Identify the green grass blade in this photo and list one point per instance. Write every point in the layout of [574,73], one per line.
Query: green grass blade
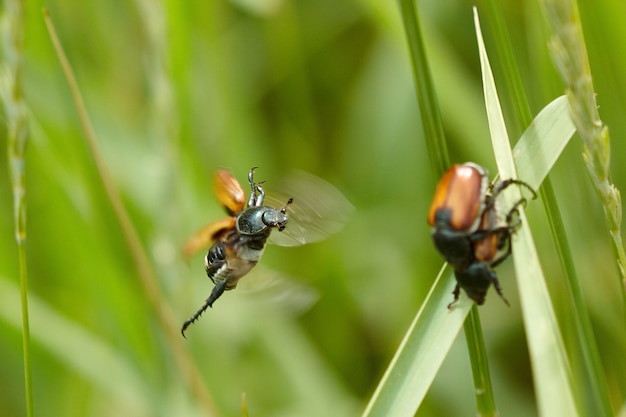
[421,353]
[508,63]
[551,372]
[483,388]
[426,96]
[543,141]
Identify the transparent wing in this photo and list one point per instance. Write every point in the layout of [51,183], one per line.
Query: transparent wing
[318,209]
[273,289]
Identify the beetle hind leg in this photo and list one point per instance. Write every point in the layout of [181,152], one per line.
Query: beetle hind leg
[218,290]
[496,285]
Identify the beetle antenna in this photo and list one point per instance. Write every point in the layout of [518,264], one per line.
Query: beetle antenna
[284,209]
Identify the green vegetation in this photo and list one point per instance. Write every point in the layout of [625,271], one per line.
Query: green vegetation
[175,90]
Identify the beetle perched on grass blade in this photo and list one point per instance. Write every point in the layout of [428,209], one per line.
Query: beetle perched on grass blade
[467,228]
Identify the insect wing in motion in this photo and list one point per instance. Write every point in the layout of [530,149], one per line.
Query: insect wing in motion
[203,238]
[228,192]
[232,197]
[318,209]
[268,288]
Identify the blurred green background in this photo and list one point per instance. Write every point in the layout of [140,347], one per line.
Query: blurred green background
[178,89]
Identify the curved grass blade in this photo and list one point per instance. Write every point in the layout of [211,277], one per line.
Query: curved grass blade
[551,372]
[421,353]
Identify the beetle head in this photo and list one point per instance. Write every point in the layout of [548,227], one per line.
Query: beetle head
[277,218]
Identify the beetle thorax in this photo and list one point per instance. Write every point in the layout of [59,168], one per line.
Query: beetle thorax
[259,220]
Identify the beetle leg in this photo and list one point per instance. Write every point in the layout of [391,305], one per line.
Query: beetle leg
[214,261]
[505,255]
[501,186]
[512,217]
[482,234]
[515,212]
[261,196]
[504,233]
[512,221]
[456,292]
[215,294]
[496,284]
[257,194]
[253,188]
[251,177]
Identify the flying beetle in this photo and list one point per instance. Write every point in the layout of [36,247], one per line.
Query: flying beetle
[238,241]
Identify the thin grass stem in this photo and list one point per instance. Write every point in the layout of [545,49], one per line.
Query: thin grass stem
[485,403]
[426,95]
[569,53]
[144,268]
[18,133]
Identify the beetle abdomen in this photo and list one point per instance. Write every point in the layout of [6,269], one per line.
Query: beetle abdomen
[233,258]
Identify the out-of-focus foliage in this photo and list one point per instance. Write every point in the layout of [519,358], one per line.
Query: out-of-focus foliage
[178,89]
